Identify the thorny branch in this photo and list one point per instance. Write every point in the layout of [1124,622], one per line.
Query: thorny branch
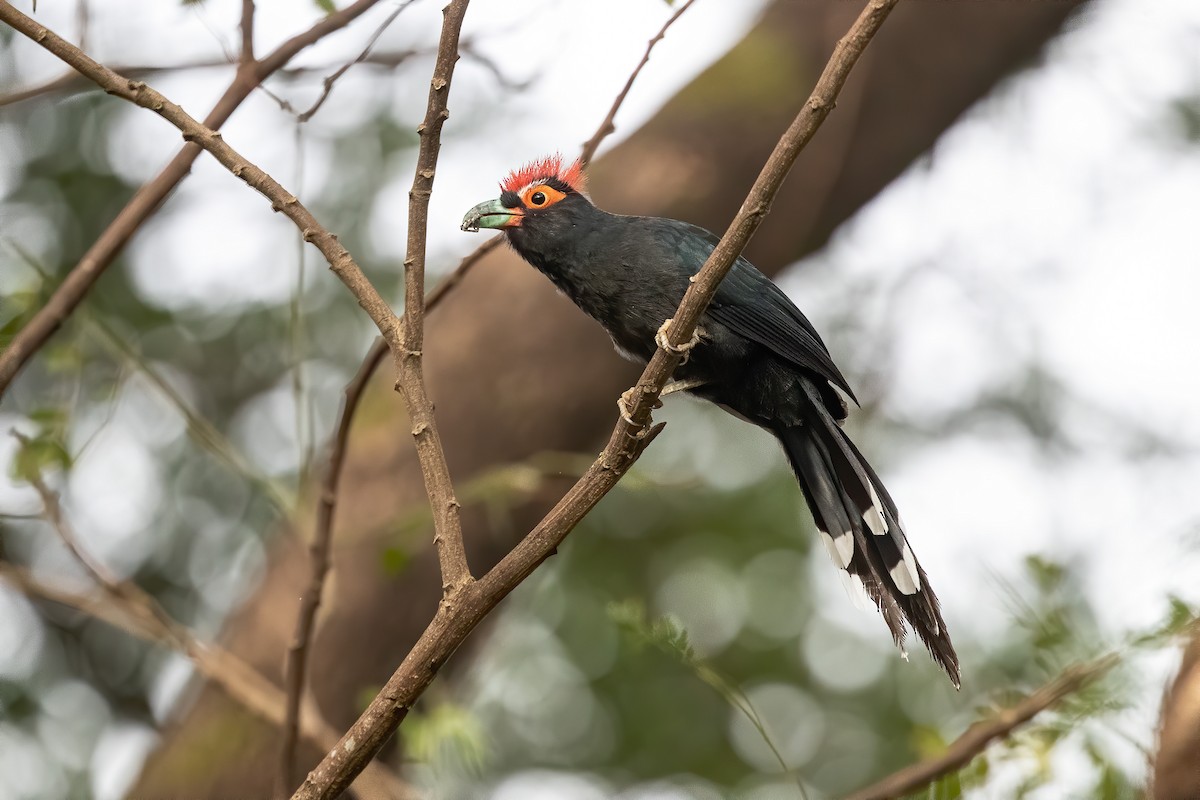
[466,607]
[128,607]
[70,293]
[976,738]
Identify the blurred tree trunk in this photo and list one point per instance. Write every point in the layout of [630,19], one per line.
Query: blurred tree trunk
[505,329]
[1177,764]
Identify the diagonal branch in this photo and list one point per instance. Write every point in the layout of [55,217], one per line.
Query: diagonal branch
[976,738]
[455,620]
[70,293]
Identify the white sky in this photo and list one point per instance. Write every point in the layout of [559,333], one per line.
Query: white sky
[1058,220]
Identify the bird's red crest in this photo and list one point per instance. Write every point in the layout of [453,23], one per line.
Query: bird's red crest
[551,166]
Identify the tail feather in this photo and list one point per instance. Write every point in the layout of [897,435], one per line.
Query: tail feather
[860,527]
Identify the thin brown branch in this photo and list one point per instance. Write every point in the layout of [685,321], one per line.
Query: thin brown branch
[70,293]
[467,607]
[976,738]
[410,382]
[607,126]
[310,603]
[246,27]
[319,548]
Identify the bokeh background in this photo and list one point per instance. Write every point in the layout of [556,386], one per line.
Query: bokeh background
[996,231]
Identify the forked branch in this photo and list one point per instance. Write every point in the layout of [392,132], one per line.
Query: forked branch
[455,619]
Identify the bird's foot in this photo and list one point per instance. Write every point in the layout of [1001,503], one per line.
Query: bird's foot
[682,350]
[625,407]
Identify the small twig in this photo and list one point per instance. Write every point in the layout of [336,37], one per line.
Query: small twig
[331,79]
[70,293]
[246,55]
[52,510]
[454,620]
[976,738]
[410,381]
[606,126]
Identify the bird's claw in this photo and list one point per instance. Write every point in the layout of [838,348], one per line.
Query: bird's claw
[682,350]
[624,404]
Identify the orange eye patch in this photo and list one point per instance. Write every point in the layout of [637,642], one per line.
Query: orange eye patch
[540,195]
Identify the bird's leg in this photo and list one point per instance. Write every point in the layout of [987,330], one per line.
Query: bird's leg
[684,349]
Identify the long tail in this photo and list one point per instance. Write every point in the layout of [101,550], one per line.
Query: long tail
[860,528]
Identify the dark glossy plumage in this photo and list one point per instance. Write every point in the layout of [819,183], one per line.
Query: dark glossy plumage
[759,357]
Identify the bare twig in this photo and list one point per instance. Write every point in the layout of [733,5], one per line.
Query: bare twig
[332,78]
[976,738]
[606,126]
[246,55]
[146,201]
[455,619]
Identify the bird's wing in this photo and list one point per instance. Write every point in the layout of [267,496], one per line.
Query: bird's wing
[749,304]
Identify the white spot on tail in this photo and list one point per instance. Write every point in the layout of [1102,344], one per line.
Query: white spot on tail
[841,549]
[905,573]
[857,591]
[873,516]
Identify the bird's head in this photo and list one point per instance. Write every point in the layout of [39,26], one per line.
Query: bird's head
[538,190]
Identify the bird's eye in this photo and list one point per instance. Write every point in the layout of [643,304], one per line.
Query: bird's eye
[538,198]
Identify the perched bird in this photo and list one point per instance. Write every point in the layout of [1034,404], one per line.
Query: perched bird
[756,356]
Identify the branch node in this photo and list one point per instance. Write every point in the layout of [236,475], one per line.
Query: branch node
[439,83]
